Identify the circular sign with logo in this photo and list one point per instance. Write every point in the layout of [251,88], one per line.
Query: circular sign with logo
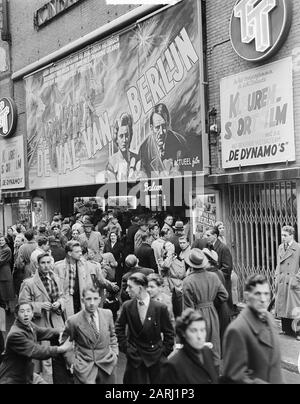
[259,28]
[8,117]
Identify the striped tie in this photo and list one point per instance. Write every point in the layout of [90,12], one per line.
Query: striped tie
[93,324]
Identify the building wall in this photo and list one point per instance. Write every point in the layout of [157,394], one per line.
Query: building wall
[30,44]
[223,61]
[4,61]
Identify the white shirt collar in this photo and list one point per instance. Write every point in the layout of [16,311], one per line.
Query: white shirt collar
[146,300]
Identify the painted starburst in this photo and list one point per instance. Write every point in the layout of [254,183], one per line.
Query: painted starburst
[145,37]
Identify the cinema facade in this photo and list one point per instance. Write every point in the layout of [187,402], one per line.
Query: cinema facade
[74,101]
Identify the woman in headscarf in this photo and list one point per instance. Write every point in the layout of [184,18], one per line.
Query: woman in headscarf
[193,363]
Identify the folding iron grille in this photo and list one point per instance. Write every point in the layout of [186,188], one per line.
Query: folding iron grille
[256,215]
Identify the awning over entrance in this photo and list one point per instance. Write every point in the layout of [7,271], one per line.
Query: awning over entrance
[24,193]
[255,176]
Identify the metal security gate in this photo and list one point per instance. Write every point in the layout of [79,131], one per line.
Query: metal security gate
[257,214]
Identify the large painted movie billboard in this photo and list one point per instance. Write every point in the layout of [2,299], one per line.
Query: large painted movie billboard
[123,109]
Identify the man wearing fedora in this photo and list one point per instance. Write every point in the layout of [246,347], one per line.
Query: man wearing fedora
[178,232]
[143,228]
[92,239]
[200,289]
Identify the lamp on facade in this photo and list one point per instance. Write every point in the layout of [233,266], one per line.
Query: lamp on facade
[214,131]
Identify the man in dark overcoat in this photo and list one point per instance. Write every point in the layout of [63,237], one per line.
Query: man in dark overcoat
[251,345]
[225,262]
[145,254]
[131,232]
[150,334]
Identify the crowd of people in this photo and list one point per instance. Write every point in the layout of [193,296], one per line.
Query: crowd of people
[86,291]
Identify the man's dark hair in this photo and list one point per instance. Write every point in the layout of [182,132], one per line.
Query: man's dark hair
[135,219]
[39,257]
[156,278]
[185,320]
[19,228]
[144,237]
[18,306]
[163,233]
[42,241]
[85,249]
[162,110]
[90,289]
[139,279]
[253,280]
[70,245]
[214,230]
[153,225]
[29,235]
[289,229]
[42,229]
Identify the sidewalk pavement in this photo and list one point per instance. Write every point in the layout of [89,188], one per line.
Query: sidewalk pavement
[290,351]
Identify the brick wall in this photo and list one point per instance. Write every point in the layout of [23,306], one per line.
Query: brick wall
[223,61]
[30,45]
